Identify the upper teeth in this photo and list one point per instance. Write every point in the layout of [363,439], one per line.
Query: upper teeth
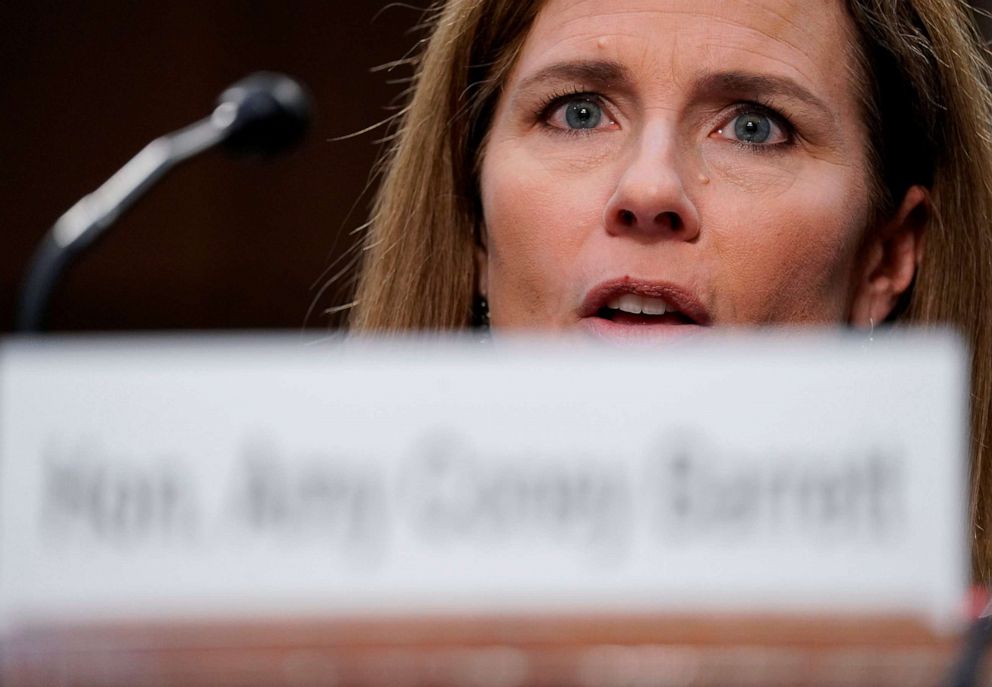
[636,305]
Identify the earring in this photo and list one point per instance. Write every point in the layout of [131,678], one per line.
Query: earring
[480,313]
[866,344]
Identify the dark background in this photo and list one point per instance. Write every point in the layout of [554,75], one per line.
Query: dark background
[220,243]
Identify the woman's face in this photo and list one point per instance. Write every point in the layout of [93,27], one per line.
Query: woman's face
[704,159]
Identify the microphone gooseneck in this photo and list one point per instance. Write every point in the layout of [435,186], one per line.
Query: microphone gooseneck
[263,114]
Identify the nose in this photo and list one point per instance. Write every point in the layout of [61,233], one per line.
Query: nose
[650,200]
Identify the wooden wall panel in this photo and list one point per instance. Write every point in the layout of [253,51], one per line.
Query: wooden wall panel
[220,243]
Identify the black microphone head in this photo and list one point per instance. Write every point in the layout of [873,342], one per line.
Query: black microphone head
[264,113]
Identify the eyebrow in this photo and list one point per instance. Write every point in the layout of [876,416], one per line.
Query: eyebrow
[746,84]
[598,73]
[592,72]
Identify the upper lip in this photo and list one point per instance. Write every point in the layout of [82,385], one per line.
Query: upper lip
[678,297]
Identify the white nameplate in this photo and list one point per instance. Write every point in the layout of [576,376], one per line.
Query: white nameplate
[257,477]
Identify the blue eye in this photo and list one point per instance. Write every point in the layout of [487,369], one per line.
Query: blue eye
[754,127]
[583,114]
[576,113]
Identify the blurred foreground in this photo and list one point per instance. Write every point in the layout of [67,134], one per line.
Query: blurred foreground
[766,510]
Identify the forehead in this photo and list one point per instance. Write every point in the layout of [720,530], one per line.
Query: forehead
[810,41]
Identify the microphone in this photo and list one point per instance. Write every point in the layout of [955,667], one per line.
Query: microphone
[263,114]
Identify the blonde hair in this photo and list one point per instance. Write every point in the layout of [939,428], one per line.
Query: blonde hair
[926,102]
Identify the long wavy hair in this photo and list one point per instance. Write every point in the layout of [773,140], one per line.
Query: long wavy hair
[924,87]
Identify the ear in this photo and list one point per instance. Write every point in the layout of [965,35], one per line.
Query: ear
[890,259]
[481,272]
[481,265]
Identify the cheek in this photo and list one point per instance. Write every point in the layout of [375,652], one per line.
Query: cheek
[793,257]
[536,221]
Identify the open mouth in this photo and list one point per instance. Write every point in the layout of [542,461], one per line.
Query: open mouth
[630,308]
[641,311]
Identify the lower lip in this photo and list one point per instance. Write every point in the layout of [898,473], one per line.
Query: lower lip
[665,329]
